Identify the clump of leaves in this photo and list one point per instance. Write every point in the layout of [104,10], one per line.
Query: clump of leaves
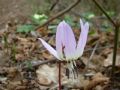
[26,28]
[88,15]
[69,20]
[29,65]
[39,18]
[110,13]
[105,26]
[92,32]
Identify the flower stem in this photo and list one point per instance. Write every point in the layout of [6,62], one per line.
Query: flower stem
[59,75]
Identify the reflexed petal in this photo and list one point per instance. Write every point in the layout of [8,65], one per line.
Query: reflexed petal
[82,38]
[49,48]
[65,40]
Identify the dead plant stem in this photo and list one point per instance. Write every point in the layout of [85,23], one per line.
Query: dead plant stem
[115,49]
[116,25]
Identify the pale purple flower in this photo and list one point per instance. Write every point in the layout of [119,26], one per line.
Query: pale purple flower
[66,47]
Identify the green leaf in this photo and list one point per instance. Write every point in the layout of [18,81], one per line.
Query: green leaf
[25,28]
[52,28]
[92,32]
[39,18]
[29,65]
[69,20]
[110,13]
[88,15]
[105,26]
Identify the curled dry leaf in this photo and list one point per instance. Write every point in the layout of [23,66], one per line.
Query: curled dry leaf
[98,79]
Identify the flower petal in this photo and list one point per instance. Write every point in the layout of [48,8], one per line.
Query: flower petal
[65,40]
[49,48]
[82,39]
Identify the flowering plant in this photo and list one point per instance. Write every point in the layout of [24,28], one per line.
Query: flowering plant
[66,47]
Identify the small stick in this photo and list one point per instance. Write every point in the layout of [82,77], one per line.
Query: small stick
[93,52]
[39,62]
[54,4]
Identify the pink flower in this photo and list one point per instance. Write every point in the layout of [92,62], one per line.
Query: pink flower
[66,47]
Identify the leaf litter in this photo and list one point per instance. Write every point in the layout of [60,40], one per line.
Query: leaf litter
[27,48]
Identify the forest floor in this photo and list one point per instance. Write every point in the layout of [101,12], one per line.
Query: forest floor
[26,65]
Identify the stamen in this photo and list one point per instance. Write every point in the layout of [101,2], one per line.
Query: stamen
[71,64]
[74,71]
[75,68]
[71,70]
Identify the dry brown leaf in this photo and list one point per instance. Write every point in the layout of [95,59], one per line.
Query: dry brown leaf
[13,85]
[52,41]
[108,61]
[20,57]
[98,79]
[47,55]
[47,75]
[12,72]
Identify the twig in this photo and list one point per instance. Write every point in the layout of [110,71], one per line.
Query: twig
[39,62]
[109,18]
[59,14]
[99,48]
[93,52]
[54,4]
